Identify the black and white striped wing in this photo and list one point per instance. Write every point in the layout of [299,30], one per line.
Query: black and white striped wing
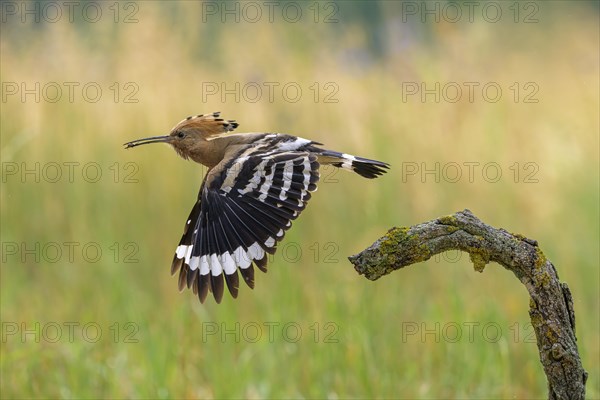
[244,208]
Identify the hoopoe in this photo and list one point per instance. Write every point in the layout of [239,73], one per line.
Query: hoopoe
[256,185]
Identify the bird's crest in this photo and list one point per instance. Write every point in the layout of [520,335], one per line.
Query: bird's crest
[209,124]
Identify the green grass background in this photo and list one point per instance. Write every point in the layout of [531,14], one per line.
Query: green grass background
[169,53]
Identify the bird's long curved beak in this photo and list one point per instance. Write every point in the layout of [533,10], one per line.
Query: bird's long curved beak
[154,139]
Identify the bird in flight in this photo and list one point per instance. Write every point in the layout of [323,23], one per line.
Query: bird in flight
[256,185]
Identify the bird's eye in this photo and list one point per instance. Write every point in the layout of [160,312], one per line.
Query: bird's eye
[180,135]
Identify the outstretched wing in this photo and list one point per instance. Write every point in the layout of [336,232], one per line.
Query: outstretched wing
[244,207]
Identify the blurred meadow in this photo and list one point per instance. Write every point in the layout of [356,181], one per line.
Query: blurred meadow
[497,113]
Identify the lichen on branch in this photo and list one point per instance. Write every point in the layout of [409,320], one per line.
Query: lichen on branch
[551,305]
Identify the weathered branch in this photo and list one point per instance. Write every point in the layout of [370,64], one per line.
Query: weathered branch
[550,308]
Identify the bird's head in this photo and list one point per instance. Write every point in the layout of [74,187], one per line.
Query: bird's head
[186,135]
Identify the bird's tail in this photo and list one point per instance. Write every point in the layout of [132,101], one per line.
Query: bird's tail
[363,166]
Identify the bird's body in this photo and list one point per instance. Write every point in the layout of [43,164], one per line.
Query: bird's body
[256,184]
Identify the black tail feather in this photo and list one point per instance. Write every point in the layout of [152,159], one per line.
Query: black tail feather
[369,168]
[363,166]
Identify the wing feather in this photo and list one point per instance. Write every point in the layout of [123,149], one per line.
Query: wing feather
[239,218]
